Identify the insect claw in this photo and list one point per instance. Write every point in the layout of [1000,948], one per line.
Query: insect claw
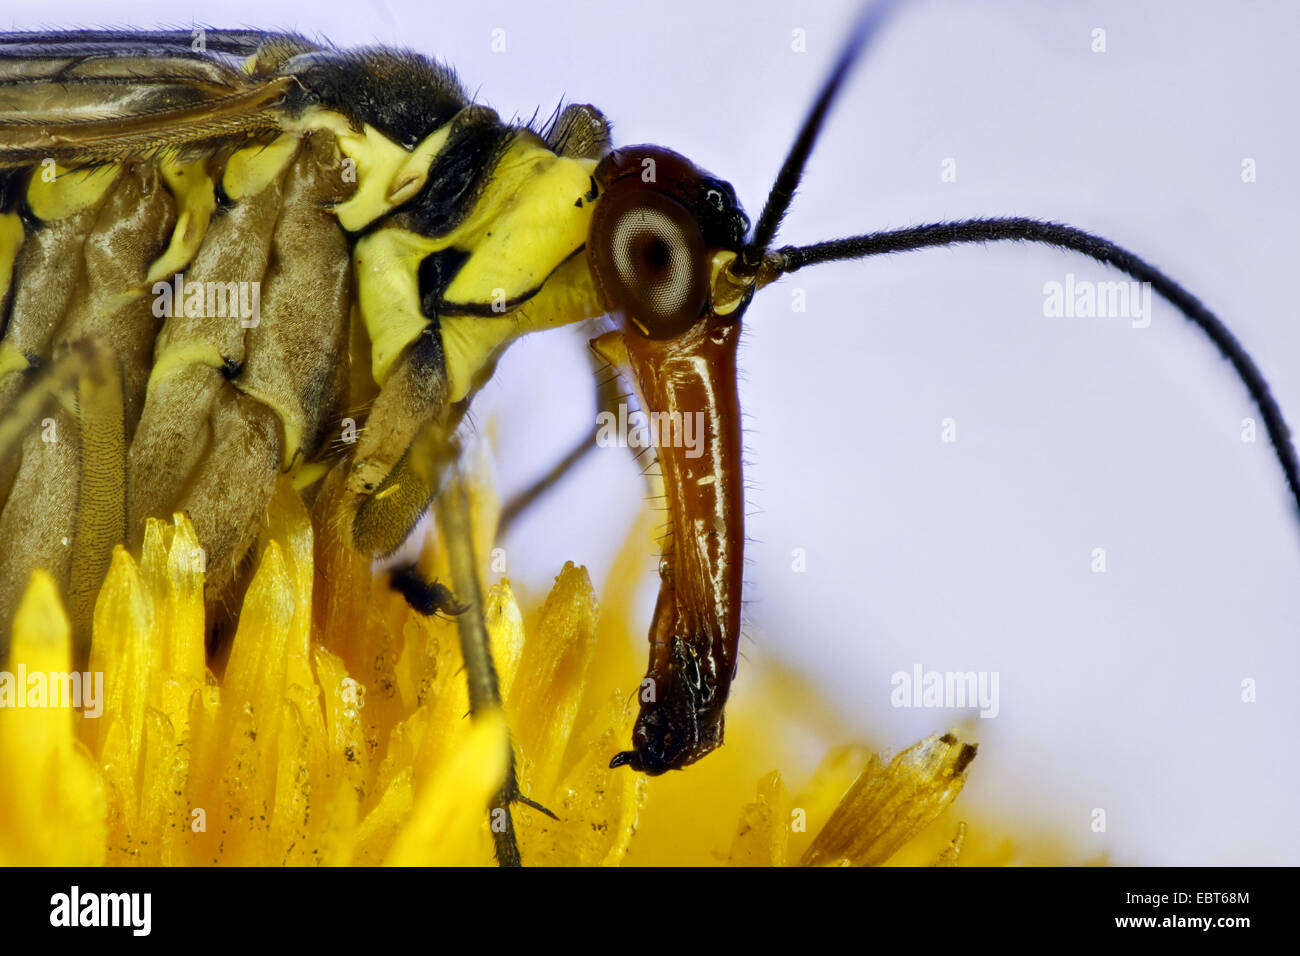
[622,759]
[430,598]
[529,802]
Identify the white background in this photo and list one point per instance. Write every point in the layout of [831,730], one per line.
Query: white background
[1118,690]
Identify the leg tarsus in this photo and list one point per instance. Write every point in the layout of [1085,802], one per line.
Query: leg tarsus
[609,393]
[430,598]
[504,842]
[529,802]
[520,503]
[484,692]
[434,599]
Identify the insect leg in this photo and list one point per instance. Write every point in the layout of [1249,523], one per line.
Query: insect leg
[484,692]
[427,470]
[430,598]
[609,392]
[230,488]
[66,435]
[58,378]
[37,447]
[520,503]
[101,514]
[73,365]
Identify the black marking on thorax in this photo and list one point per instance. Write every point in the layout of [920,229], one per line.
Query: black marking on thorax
[403,95]
[459,172]
[437,270]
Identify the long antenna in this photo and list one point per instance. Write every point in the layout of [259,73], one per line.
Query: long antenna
[787,180]
[790,258]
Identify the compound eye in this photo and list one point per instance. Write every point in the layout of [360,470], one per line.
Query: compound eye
[652,262]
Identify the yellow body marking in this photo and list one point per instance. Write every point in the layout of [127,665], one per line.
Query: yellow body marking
[252,169]
[386,264]
[471,342]
[11,240]
[11,359]
[387,175]
[196,199]
[522,235]
[62,193]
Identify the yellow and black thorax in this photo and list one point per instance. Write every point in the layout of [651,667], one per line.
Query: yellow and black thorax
[262,237]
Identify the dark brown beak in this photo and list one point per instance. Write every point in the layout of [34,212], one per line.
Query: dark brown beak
[689,383]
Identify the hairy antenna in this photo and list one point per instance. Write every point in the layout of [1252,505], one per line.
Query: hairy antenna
[792,258]
[787,180]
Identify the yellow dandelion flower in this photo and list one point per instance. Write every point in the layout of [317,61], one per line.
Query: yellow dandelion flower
[338,731]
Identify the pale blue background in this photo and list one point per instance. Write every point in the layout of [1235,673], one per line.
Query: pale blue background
[1119,690]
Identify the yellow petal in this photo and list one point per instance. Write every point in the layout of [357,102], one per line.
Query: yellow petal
[548,688]
[447,824]
[764,833]
[52,804]
[597,806]
[890,803]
